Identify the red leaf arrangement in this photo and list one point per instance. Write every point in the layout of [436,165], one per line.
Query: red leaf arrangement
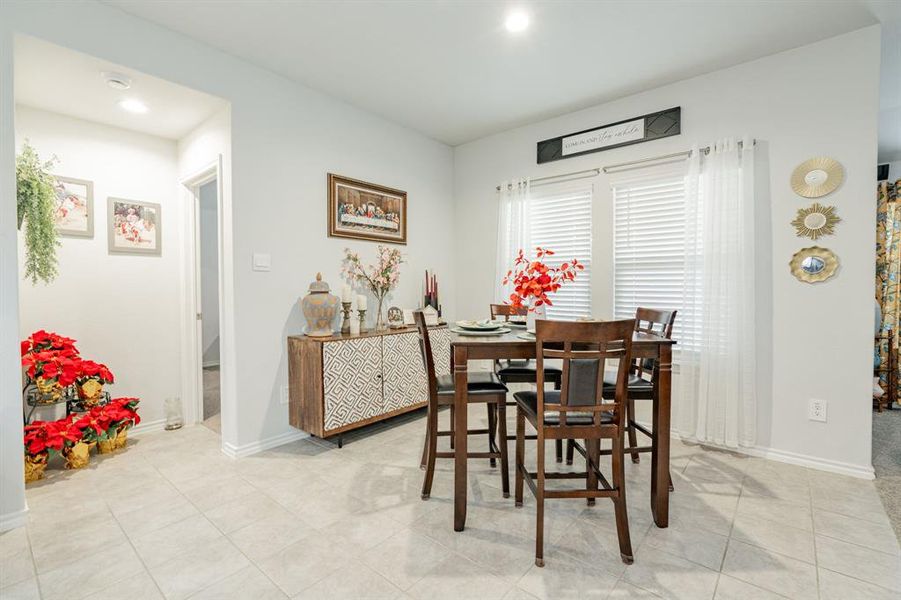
[533,280]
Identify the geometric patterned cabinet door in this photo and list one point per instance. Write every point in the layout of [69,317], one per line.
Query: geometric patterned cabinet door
[404,375]
[352,380]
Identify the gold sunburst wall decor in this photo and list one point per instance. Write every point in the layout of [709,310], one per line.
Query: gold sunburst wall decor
[817,177]
[815,220]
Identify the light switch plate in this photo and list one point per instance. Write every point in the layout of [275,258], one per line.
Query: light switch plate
[262,262]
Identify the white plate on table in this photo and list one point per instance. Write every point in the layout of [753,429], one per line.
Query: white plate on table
[480,333]
[485,325]
[515,324]
[525,335]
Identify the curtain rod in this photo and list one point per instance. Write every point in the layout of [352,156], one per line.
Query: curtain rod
[597,171]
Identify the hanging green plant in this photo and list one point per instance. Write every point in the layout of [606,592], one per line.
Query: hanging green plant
[35,208]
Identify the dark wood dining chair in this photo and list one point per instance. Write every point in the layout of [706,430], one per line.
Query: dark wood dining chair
[643,375]
[578,411]
[483,387]
[523,371]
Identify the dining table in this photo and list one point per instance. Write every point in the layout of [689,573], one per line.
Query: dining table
[515,345]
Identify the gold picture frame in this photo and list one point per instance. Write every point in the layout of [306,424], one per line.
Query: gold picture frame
[814,264]
[815,220]
[366,211]
[817,177]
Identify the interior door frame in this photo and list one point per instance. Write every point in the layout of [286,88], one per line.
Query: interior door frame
[192,324]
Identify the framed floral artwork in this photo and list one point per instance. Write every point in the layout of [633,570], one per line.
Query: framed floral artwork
[74,207]
[134,227]
[366,211]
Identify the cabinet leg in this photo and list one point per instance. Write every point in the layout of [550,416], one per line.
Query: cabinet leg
[340,441]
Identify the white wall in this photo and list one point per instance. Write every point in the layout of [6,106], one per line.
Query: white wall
[284,139]
[815,340]
[894,170]
[124,310]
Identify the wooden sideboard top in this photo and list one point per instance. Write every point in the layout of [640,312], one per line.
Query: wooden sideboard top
[346,336]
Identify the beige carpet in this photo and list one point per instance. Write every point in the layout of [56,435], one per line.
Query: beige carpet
[211,401]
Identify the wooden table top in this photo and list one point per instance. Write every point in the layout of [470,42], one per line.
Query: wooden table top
[512,339]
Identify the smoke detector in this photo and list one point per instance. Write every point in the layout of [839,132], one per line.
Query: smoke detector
[117,81]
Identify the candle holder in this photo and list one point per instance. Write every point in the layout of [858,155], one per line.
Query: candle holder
[345,325]
[362,313]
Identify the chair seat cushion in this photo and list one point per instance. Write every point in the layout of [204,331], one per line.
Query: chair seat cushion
[635,382]
[528,401]
[480,382]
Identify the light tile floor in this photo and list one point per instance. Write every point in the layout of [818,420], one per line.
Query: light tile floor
[171,517]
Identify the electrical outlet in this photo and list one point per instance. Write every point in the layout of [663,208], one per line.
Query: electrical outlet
[816,410]
[285,396]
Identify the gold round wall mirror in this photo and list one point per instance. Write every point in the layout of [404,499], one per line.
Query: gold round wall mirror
[815,220]
[814,264]
[817,177]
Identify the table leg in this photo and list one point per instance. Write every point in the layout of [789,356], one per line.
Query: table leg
[661,442]
[460,362]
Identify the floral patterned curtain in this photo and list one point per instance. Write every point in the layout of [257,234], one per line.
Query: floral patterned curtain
[888,266]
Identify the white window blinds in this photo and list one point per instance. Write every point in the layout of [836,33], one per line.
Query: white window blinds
[561,221]
[649,243]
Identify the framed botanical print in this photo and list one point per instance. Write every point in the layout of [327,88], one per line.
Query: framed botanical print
[366,211]
[74,207]
[134,227]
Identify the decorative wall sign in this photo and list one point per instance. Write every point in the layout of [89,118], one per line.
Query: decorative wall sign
[613,135]
[134,227]
[74,214]
[817,177]
[366,211]
[814,264]
[815,220]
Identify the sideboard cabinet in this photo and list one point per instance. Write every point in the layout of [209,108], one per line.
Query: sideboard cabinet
[343,382]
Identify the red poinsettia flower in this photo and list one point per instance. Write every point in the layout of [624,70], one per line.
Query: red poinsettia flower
[88,369]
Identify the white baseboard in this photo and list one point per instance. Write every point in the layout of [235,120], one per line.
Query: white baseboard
[148,427]
[793,458]
[813,462]
[13,520]
[233,451]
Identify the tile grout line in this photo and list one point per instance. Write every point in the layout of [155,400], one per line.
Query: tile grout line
[34,562]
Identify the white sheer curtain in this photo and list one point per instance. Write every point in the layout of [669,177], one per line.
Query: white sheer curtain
[715,399]
[513,230]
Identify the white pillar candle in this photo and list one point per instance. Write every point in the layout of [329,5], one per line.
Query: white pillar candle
[361,302]
[354,326]
[346,294]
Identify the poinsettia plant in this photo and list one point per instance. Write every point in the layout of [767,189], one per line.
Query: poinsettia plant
[122,411]
[51,366]
[93,424]
[41,341]
[533,280]
[45,436]
[89,370]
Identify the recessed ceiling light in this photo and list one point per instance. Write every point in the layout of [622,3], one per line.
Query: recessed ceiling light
[117,81]
[133,105]
[516,21]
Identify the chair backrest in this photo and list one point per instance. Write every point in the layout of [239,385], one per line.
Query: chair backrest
[585,347]
[428,359]
[658,322]
[505,311]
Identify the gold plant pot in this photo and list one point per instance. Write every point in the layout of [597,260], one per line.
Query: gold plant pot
[90,392]
[49,391]
[77,456]
[121,437]
[108,445]
[34,466]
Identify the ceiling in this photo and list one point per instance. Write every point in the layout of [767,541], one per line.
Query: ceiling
[450,70]
[60,80]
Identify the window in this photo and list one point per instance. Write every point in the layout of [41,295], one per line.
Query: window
[649,246]
[562,222]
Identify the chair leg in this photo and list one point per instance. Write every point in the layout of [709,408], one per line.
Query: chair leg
[619,502]
[539,501]
[425,442]
[570,451]
[520,456]
[629,418]
[451,428]
[502,437]
[492,430]
[671,488]
[433,449]
[559,448]
[593,450]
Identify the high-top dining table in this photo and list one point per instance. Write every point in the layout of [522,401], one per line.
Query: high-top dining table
[512,346]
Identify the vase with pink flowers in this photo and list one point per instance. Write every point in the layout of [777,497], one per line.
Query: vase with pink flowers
[380,278]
